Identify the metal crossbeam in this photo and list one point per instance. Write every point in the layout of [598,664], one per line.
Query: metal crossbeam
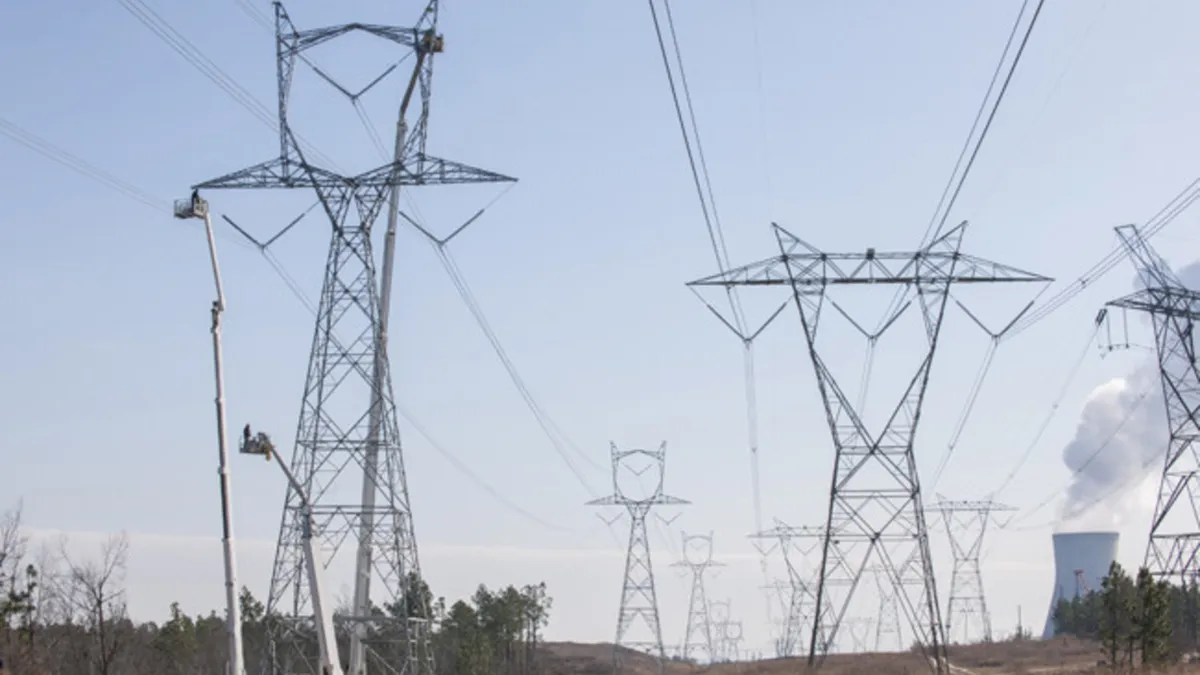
[800,264]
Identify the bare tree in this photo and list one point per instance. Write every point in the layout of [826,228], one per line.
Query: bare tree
[93,595]
[13,545]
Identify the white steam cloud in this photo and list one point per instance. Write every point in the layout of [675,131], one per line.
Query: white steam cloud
[1121,438]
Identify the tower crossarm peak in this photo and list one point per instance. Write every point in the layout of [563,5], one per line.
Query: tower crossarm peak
[1178,303]
[802,264]
[968,505]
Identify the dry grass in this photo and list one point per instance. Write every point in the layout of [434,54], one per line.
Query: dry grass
[1049,657]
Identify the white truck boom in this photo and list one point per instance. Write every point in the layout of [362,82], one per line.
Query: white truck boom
[331,663]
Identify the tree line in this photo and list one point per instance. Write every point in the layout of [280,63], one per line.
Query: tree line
[62,614]
[1138,621]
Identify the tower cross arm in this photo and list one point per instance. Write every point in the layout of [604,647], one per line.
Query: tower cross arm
[621,500]
[306,39]
[291,173]
[427,170]
[690,565]
[1166,301]
[273,173]
[971,506]
[784,531]
[800,264]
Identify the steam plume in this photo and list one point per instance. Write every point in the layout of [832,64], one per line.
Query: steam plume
[1121,438]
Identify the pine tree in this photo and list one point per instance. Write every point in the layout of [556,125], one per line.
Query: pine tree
[1153,619]
[1116,609]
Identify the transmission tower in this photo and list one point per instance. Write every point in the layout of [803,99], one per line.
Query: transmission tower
[889,613]
[699,633]
[781,591]
[638,596]
[347,417]
[1175,530]
[875,503]
[799,594]
[719,612]
[733,635]
[966,523]
[859,628]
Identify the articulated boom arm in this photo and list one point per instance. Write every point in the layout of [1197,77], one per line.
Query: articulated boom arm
[331,663]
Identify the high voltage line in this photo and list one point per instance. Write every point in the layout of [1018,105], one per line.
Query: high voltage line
[73,162]
[161,28]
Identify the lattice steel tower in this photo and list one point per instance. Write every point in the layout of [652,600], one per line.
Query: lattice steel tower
[699,633]
[966,523]
[1175,530]
[639,599]
[889,614]
[721,621]
[875,505]
[347,451]
[799,599]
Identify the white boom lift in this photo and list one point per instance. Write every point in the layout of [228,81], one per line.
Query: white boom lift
[331,664]
[197,208]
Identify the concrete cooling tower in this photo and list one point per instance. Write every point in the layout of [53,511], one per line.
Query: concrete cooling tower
[1081,561]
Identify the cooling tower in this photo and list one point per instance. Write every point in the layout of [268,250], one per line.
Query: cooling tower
[1081,561]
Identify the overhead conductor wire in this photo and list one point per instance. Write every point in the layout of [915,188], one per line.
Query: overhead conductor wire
[49,150]
[1165,216]
[950,197]
[1054,408]
[553,432]
[703,183]
[559,440]
[161,28]
[1137,403]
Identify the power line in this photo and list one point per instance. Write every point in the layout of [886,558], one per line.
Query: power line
[696,163]
[558,439]
[80,166]
[1165,216]
[1091,458]
[946,203]
[73,162]
[548,426]
[965,414]
[991,116]
[1072,54]
[712,221]
[950,191]
[182,46]
[1054,408]
[207,67]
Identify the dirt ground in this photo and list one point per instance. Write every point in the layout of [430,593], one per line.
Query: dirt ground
[1035,657]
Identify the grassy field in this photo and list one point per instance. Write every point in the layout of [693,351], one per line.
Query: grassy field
[1061,655]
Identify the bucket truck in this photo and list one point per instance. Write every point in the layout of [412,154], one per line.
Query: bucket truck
[331,664]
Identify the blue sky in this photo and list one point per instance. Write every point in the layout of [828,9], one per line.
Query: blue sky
[580,267]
